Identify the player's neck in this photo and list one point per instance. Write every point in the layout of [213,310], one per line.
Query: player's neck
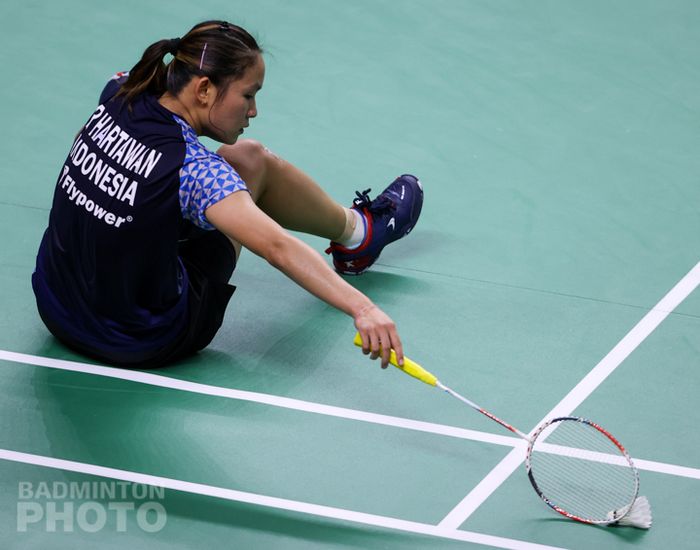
[174,105]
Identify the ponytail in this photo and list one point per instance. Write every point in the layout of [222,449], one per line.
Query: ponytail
[215,49]
[149,74]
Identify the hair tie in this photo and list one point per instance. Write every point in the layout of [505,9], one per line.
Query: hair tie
[173,45]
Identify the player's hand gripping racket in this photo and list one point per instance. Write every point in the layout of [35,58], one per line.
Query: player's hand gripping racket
[576,467]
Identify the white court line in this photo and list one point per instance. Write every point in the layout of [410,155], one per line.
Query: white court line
[663,468]
[576,396]
[272,502]
[306,406]
[255,397]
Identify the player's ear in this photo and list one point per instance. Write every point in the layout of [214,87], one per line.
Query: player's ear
[203,90]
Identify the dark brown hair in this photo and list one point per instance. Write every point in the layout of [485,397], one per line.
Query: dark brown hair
[218,50]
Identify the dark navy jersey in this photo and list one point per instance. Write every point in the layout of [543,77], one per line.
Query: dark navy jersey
[108,272]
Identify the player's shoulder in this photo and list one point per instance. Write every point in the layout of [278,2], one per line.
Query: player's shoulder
[113,84]
[120,76]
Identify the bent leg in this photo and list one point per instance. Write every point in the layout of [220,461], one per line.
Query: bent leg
[285,193]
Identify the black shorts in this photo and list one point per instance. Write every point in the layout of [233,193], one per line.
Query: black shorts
[209,258]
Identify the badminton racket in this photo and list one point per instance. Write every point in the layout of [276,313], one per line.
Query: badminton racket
[576,467]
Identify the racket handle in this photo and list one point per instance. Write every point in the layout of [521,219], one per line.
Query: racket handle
[409,367]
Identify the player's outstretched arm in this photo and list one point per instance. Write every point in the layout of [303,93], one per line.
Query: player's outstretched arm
[238,217]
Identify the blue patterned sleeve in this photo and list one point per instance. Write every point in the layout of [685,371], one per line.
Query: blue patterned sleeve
[205,179]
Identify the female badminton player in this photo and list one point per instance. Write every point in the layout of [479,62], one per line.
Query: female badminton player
[147,224]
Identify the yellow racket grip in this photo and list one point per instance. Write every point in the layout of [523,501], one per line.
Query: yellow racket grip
[409,367]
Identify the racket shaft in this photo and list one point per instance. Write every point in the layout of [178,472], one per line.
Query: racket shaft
[504,424]
[414,369]
[483,411]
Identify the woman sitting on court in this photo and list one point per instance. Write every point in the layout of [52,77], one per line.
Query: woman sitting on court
[146,223]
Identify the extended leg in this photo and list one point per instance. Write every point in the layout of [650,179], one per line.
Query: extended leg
[285,193]
[296,202]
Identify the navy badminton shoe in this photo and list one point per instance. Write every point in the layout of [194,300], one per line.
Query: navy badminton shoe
[390,216]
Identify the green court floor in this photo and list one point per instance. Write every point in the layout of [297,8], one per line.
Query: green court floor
[554,269]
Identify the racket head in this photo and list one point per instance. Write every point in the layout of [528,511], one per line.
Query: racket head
[581,471]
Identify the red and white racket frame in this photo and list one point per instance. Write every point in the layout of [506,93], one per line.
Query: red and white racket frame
[528,467]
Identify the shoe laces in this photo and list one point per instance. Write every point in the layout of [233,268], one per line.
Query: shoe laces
[377,206]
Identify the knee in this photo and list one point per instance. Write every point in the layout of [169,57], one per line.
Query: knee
[249,157]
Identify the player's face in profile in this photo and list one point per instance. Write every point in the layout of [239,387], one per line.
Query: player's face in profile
[233,112]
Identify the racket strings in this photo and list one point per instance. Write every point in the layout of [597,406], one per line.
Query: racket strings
[578,469]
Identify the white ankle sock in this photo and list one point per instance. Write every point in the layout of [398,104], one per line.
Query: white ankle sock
[358,232]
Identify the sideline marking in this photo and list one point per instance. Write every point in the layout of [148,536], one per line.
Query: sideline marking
[272,502]
[577,395]
[255,397]
[309,406]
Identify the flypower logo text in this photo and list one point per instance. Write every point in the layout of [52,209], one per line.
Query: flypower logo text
[107,157]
